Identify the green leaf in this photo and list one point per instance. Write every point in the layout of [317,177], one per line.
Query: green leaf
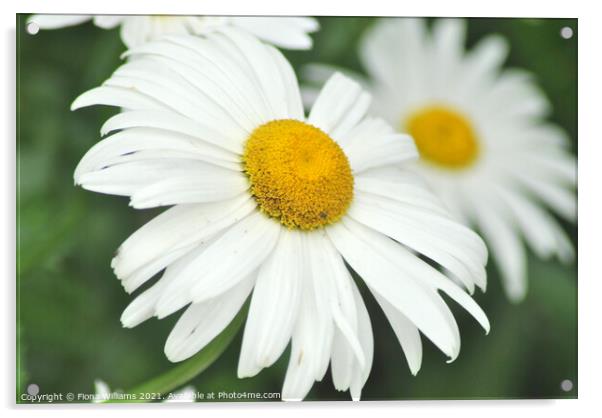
[186,371]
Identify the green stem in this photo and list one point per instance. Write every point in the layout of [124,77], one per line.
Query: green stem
[186,371]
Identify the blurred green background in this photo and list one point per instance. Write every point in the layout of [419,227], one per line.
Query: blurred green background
[69,301]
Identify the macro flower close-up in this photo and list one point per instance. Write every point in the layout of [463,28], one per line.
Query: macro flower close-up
[264,208]
[270,202]
[485,146]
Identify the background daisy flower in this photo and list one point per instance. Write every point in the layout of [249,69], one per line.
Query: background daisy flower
[269,202]
[284,32]
[485,146]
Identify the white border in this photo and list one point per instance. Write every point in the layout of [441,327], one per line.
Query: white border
[590,163]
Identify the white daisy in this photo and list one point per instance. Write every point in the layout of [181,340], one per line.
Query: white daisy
[284,32]
[486,149]
[270,202]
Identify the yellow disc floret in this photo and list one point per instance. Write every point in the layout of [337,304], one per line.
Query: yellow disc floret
[443,137]
[298,174]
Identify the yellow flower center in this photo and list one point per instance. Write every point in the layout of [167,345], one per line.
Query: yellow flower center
[298,174]
[443,137]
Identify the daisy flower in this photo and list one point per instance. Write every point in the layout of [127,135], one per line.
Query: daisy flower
[269,202]
[485,147]
[284,32]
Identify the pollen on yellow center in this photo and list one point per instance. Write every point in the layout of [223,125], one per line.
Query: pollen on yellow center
[298,174]
[444,137]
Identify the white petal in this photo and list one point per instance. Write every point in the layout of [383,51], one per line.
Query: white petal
[361,373]
[108,21]
[225,262]
[313,332]
[543,137]
[252,239]
[94,163]
[559,198]
[423,272]
[437,280]
[265,69]
[481,65]
[323,294]
[363,250]
[341,362]
[471,244]
[352,350]
[116,96]
[541,230]
[344,313]
[274,306]
[406,332]
[338,287]
[222,185]
[179,97]
[514,96]
[446,242]
[339,107]
[299,375]
[285,32]
[291,85]
[143,307]
[202,322]
[138,144]
[394,187]
[172,125]
[368,128]
[136,30]
[368,146]
[156,305]
[216,65]
[219,104]
[58,21]
[393,52]
[308,24]
[130,177]
[175,229]
[448,38]
[509,252]
[555,165]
